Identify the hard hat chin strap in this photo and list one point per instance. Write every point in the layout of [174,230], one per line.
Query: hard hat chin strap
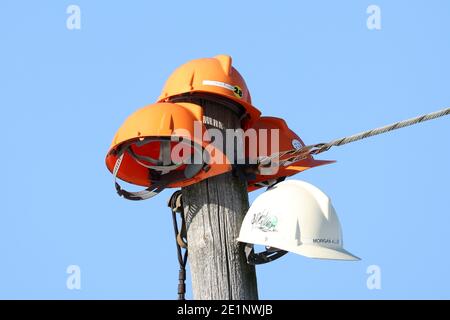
[269,255]
[133,195]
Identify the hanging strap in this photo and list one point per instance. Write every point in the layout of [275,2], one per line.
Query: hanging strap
[295,155]
[160,175]
[176,205]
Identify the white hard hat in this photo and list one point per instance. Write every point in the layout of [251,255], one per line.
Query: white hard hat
[293,216]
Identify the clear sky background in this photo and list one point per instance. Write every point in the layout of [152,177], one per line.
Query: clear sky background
[64,93]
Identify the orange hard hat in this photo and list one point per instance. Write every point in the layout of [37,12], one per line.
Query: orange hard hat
[142,150]
[287,140]
[214,76]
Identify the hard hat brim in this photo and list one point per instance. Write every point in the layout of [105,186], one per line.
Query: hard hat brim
[308,250]
[318,252]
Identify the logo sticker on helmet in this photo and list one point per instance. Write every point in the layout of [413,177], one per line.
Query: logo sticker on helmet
[264,222]
[237,91]
[296,144]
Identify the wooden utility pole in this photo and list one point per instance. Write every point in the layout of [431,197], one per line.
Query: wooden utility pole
[214,210]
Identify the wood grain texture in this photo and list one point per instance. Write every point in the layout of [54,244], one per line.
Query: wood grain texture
[214,210]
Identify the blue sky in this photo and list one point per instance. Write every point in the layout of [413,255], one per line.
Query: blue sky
[64,93]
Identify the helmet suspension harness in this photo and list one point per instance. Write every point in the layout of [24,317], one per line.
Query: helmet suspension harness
[162,171]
